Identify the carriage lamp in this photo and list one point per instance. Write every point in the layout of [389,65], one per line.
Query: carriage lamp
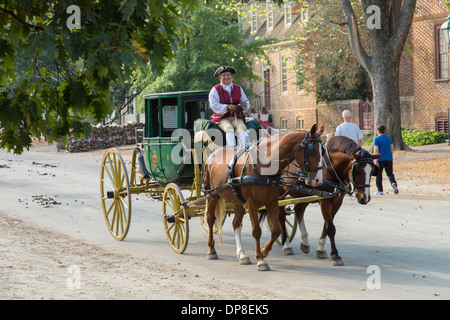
[446,28]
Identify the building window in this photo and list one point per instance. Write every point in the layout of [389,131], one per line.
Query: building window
[442,55]
[304,16]
[283,72]
[288,14]
[300,73]
[283,123]
[442,125]
[254,19]
[300,123]
[269,14]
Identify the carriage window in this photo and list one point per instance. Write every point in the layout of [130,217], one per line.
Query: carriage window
[194,110]
[169,119]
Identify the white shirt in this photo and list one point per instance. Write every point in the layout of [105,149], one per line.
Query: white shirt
[350,130]
[264,117]
[220,108]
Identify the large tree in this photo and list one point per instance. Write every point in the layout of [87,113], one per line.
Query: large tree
[387,24]
[56,69]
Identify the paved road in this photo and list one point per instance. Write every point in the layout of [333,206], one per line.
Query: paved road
[393,248]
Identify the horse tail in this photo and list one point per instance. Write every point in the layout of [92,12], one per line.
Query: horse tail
[220,216]
[262,216]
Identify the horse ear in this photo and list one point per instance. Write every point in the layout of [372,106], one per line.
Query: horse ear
[320,131]
[376,156]
[312,132]
[356,156]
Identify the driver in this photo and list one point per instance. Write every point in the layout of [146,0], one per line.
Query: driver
[229,102]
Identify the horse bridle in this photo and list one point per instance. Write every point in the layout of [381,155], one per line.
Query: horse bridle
[345,186]
[310,149]
[364,159]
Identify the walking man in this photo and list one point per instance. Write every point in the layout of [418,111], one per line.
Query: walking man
[349,129]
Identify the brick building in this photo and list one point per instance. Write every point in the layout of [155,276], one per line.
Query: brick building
[424,71]
[282,89]
[429,69]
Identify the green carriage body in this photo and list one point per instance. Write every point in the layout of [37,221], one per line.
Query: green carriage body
[164,113]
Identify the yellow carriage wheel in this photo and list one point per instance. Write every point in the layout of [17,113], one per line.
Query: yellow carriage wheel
[175,217]
[115,194]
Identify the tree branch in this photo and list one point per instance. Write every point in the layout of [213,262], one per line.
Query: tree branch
[403,26]
[18,19]
[355,41]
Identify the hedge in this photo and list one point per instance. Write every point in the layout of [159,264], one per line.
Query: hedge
[418,138]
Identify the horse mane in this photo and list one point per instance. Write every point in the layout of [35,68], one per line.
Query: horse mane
[342,144]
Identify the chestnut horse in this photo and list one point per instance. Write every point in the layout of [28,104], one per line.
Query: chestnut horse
[276,153]
[345,164]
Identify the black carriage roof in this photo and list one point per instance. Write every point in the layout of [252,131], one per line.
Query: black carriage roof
[175,94]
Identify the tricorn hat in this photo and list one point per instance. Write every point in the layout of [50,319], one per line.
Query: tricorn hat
[224,69]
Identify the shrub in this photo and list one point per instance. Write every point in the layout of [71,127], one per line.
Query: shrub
[418,138]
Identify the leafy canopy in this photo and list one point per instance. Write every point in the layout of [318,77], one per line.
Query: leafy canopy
[56,79]
[213,40]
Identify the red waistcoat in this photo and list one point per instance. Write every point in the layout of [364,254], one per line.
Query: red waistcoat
[225,99]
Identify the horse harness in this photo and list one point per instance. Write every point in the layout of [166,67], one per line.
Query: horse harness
[274,181]
[346,185]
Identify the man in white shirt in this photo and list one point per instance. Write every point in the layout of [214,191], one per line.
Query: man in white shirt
[349,129]
[229,102]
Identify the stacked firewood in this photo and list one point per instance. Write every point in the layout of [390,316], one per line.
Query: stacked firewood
[103,137]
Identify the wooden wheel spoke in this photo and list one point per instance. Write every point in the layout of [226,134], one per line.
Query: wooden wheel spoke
[115,194]
[178,229]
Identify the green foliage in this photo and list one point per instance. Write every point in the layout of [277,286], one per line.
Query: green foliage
[338,82]
[57,79]
[212,40]
[368,141]
[333,73]
[418,138]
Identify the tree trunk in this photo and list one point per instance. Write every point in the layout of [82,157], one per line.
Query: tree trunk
[386,98]
[386,42]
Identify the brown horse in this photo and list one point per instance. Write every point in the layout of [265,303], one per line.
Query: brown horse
[267,161]
[345,164]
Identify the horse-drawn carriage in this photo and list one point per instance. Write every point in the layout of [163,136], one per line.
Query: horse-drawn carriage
[171,165]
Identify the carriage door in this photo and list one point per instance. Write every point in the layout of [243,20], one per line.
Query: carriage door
[365,113]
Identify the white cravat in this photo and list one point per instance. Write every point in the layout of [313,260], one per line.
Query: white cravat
[227,88]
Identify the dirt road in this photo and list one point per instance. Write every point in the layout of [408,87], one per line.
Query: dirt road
[54,243]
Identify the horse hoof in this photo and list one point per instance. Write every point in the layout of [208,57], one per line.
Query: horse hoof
[213,256]
[288,251]
[305,249]
[321,254]
[245,261]
[262,266]
[337,262]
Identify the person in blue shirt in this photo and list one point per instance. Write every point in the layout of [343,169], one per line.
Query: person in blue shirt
[382,144]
